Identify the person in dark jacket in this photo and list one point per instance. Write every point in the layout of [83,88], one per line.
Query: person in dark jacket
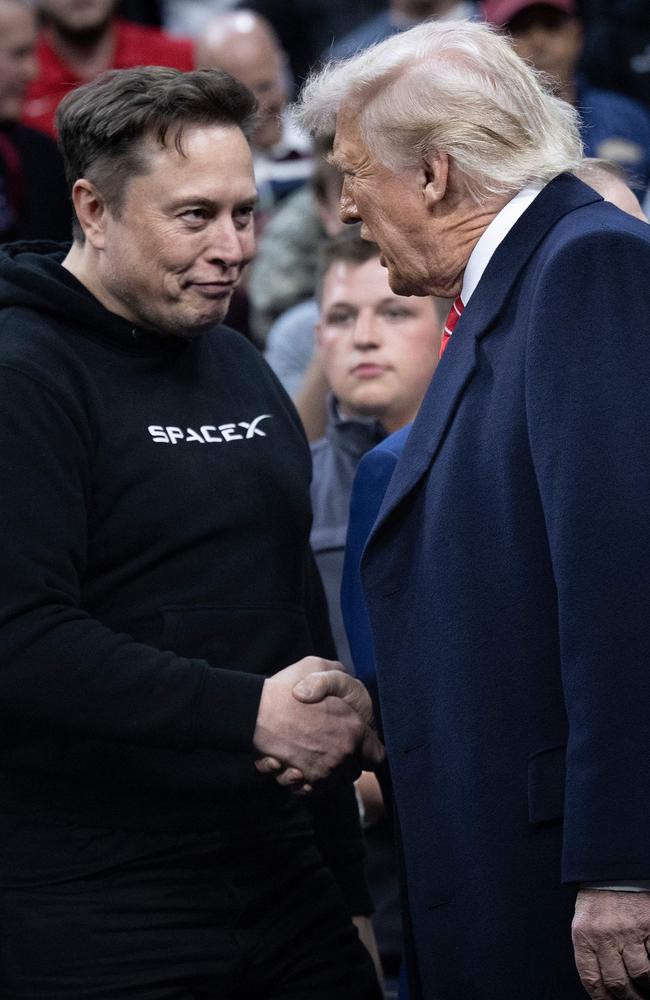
[378,352]
[156,582]
[34,199]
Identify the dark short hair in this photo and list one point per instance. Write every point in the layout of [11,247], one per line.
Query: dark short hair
[102,124]
[347,248]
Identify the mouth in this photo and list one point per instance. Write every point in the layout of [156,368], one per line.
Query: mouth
[214,289]
[368,370]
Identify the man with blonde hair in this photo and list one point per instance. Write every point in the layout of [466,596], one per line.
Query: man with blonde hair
[507,572]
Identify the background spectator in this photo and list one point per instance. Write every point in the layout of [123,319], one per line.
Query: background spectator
[308,27]
[189,17]
[378,352]
[610,181]
[284,270]
[399,15]
[245,45]
[80,41]
[34,200]
[549,35]
[142,11]
[617,46]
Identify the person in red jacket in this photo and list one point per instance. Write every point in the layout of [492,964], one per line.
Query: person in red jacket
[80,41]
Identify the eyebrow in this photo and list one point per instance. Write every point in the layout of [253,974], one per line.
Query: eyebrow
[389,300]
[210,203]
[341,304]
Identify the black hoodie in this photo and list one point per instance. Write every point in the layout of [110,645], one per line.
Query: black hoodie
[154,569]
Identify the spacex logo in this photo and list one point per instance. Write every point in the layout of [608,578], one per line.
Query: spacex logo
[209,433]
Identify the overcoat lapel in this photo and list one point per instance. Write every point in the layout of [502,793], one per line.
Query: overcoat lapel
[458,364]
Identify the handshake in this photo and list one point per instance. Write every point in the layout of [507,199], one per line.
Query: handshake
[314,717]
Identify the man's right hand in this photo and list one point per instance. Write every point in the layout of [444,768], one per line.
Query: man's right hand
[312,738]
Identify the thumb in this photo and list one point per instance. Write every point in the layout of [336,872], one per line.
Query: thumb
[337,684]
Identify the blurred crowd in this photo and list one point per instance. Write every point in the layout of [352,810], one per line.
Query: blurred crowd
[355,357]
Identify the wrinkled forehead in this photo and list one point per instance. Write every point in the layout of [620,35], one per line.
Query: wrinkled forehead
[348,146]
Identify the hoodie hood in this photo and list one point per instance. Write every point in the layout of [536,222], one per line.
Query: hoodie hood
[32,277]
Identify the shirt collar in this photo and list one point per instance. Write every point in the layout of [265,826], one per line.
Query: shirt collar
[495,233]
[354,434]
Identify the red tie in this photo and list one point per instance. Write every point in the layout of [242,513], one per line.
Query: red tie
[452,319]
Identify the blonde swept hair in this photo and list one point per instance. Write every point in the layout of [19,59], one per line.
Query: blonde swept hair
[456,87]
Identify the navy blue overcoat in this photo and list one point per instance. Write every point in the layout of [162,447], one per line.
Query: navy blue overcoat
[508,584]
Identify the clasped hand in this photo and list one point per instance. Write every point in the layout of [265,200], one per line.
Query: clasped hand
[313,717]
[611,938]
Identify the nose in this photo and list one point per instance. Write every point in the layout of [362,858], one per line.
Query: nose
[365,334]
[229,245]
[348,211]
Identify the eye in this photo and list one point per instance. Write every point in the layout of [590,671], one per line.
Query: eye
[338,318]
[195,217]
[244,215]
[396,313]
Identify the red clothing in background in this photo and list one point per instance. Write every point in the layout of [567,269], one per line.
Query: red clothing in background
[135,45]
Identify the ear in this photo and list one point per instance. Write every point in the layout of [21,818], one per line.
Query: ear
[435,177]
[91,211]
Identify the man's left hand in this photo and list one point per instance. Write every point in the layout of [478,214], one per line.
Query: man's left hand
[611,937]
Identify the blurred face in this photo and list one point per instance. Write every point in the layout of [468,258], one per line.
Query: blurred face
[266,79]
[392,211]
[549,40]
[174,256]
[78,15]
[378,349]
[252,56]
[17,57]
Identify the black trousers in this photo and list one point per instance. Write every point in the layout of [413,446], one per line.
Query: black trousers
[89,914]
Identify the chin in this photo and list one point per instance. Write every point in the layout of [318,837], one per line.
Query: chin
[403,285]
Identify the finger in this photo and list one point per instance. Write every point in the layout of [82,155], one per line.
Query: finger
[614,975]
[268,765]
[320,684]
[335,683]
[637,963]
[589,972]
[292,776]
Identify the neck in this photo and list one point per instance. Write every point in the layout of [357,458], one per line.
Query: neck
[88,52]
[82,261]
[460,233]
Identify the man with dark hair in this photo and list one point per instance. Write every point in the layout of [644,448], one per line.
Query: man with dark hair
[156,582]
[81,40]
